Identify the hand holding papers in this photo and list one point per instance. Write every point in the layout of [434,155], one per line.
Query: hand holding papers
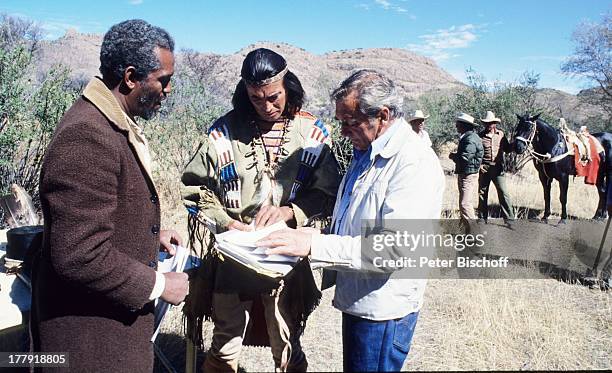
[241,247]
[177,263]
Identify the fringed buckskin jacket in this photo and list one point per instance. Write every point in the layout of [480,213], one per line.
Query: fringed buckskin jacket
[229,178]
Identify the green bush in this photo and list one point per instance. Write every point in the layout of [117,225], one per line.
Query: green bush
[504,99]
[479,96]
[341,146]
[29,110]
[175,134]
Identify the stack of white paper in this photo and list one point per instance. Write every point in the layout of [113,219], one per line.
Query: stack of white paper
[240,246]
[176,263]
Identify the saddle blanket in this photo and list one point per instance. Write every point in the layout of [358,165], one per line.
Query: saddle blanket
[590,166]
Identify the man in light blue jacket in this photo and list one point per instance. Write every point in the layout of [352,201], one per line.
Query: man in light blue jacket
[393,175]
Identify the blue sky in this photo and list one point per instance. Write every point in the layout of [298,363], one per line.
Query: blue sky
[498,38]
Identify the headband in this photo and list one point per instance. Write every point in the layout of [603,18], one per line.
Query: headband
[269,80]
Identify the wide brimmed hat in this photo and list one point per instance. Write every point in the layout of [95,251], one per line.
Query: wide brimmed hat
[490,118]
[465,118]
[418,114]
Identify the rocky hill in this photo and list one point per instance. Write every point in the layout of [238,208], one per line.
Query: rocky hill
[413,73]
[571,107]
[80,52]
[318,73]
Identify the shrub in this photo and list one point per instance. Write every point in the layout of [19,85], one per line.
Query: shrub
[29,110]
[505,99]
[176,133]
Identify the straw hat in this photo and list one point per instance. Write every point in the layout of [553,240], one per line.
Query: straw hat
[418,114]
[465,118]
[490,118]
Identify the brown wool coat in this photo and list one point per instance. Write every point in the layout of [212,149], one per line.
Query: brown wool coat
[96,272]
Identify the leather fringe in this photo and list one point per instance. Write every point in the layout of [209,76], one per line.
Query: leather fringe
[198,304]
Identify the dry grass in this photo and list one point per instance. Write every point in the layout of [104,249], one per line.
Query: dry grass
[512,325]
[469,324]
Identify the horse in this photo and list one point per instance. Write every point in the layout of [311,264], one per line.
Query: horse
[551,157]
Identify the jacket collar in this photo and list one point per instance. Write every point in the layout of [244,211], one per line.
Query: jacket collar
[466,133]
[103,99]
[398,139]
[497,132]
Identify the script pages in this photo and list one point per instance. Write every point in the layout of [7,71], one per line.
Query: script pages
[240,246]
[177,263]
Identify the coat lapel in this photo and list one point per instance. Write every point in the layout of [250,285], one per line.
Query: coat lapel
[99,95]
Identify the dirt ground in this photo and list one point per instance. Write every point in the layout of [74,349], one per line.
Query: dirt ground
[552,322]
[464,325]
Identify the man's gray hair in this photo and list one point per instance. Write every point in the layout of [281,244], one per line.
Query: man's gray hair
[374,91]
[132,43]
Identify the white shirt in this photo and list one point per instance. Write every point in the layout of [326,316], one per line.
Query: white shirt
[424,136]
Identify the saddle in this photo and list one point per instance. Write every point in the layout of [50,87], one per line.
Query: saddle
[582,145]
[585,148]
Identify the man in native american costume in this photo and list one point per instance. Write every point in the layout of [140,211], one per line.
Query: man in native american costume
[263,162]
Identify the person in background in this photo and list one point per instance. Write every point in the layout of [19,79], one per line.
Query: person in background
[417,122]
[468,159]
[95,281]
[494,144]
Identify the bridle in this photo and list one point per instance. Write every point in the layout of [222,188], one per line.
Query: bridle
[528,141]
[538,157]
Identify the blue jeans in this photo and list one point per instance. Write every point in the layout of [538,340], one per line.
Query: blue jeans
[370,346]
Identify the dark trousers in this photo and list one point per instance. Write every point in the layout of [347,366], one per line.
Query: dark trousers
[376,346]
[495,174]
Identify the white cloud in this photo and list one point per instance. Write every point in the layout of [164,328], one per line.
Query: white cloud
[543,58]
[53,27]
[136,2]
[440,44]
[56,29]
[384,3]
[387,5]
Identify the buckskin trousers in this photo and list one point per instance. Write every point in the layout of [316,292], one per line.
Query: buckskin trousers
[231,317]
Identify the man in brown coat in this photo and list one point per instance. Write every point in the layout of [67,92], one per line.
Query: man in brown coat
[95,280]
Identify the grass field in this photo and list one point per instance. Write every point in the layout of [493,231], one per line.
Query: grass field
[543,324]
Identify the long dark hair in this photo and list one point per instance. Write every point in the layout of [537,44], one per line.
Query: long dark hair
[261,64]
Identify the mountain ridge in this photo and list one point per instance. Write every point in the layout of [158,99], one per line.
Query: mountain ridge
[319,73]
